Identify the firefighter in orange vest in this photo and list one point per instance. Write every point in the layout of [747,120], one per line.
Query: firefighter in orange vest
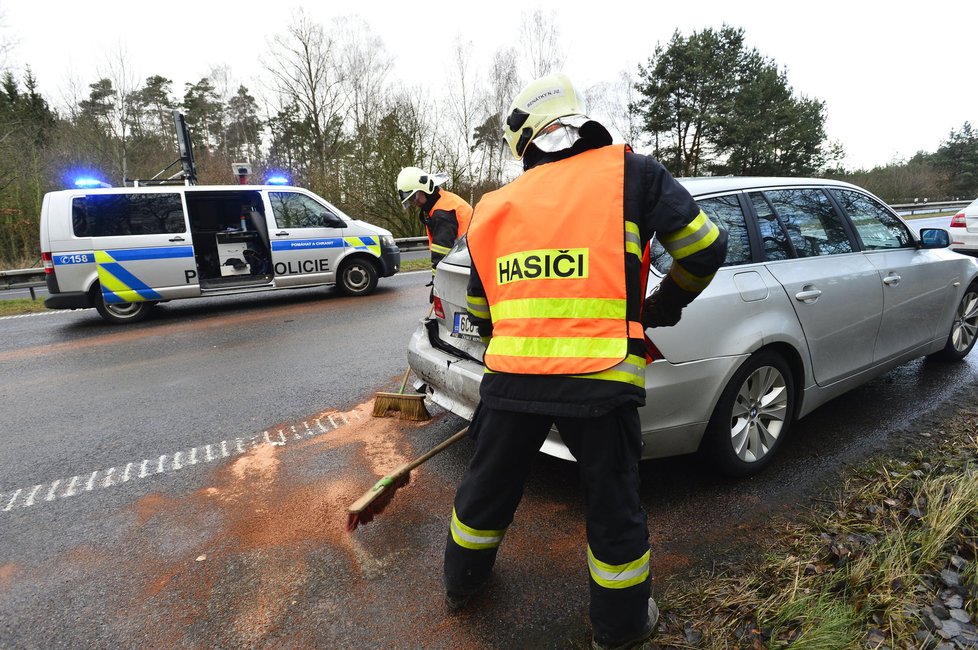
[444,215]
[557,288]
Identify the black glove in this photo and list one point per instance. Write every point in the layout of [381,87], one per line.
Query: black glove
[659,311]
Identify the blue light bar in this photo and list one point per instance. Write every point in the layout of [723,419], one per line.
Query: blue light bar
[88,183]
[277,180]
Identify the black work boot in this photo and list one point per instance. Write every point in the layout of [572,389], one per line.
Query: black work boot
[456,601]
[641,640]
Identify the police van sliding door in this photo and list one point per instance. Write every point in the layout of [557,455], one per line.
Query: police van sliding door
[307,239]
[141,245]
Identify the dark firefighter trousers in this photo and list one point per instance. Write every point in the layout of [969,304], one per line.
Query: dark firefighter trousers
[608,449]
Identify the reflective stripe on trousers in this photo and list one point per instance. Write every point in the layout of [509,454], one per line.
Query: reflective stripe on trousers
[618,576]
[472,538]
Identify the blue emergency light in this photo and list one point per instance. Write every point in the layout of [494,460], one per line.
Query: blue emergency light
[277,179]
[89,183]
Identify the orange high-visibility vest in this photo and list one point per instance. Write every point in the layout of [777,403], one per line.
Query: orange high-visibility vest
[448,202]
[550,250]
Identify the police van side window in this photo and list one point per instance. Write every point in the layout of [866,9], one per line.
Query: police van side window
[114,215]
[293,210]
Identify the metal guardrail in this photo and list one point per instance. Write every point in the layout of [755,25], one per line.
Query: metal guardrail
[22,279]
[924,206]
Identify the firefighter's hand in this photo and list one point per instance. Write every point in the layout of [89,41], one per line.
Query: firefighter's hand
[660,312]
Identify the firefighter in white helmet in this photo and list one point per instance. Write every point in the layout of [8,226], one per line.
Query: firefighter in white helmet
[560,258]
[444,215]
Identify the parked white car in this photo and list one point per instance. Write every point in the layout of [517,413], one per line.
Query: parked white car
[964,230]
[824,288]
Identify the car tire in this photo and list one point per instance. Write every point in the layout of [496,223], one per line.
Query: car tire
[357,277]
[752,416]
[964,330]
[123,312]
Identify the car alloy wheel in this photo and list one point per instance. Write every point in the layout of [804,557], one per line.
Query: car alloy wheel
[758,414]
[752,416]
[965,327]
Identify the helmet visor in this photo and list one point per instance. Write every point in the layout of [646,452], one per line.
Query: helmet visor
[405,196]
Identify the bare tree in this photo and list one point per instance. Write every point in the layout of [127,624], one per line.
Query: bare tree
[540,43]
[610,102]
[463,103]
[305,74]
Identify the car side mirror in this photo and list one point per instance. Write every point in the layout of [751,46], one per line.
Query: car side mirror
[934,238]
[332,221]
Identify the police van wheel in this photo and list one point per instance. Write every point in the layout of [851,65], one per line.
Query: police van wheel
[357,277]
[752,416]
[120,313]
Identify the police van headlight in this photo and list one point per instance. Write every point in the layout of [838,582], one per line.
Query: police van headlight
[386,240]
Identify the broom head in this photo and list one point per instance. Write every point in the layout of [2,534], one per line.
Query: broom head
[374,501]
[411,407]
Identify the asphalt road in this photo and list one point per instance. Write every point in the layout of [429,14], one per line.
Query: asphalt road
[184,481]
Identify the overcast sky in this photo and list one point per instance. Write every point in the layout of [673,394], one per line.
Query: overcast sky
[896,78]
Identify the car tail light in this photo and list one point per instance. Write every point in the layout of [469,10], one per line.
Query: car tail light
[652,352]
[439,309]
[48,263]
[958,221]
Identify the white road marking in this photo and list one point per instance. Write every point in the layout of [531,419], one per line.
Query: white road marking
[109,478]
[38,313]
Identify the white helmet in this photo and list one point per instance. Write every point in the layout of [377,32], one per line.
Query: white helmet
[539,105]
[415,179]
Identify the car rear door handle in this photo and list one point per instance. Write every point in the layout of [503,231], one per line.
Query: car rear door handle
[809,294]
[281,233]
[891,280]
[177,238]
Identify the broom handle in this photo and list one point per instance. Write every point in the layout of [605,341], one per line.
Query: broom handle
[407,467]
[404,381]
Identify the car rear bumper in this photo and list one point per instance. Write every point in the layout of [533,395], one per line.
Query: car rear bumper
[680,401]
[69,300]
[963,241]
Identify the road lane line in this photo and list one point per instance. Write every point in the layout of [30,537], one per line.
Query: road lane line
[110,478]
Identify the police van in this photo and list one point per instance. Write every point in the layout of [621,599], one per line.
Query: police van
[122,250]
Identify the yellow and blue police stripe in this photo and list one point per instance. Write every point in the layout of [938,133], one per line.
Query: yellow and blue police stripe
[119,284]
[370,244]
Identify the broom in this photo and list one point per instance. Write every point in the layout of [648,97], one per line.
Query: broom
[374,500]
[411,407]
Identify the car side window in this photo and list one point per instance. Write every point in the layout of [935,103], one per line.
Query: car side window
[877,227]
[814,226]
[294,210]
[115,215]
[725,212]
[773,236]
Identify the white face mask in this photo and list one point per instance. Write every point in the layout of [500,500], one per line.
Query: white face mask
[560,134]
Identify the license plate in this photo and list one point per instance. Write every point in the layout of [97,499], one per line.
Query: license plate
[463,328]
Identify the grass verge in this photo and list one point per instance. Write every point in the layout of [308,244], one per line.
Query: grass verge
[888,561]
[415,265]
[20,306]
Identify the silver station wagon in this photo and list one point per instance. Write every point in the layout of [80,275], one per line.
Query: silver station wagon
[824,287]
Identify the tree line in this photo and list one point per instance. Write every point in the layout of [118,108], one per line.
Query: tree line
[329,113]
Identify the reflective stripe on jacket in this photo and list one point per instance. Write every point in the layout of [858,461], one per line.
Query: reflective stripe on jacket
[550,248]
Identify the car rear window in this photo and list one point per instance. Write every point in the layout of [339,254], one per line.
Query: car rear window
[113,215]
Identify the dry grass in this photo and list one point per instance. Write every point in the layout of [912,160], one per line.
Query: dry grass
[857,572]
[16,306]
